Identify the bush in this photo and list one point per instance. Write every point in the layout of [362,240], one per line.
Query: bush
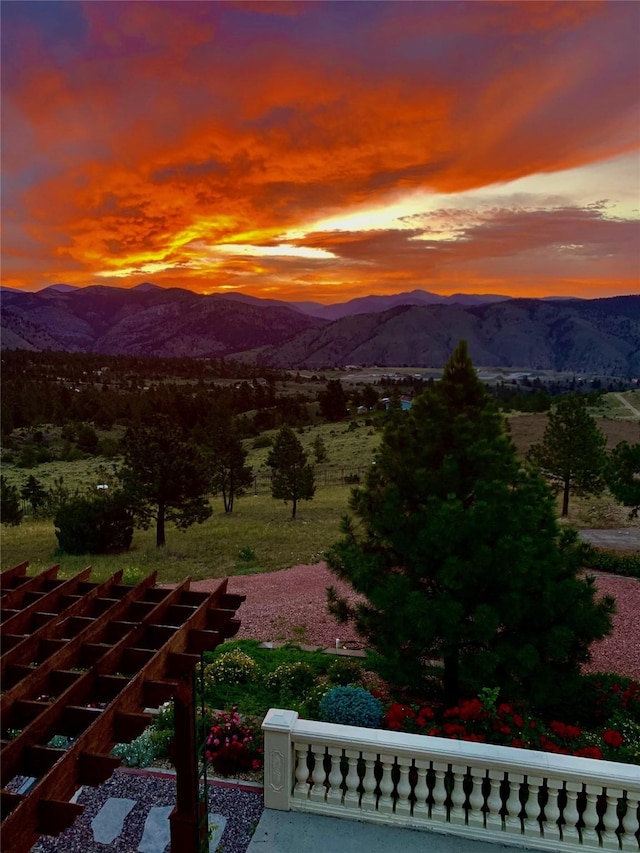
[163,730]
[606,561]
[344,671]
[98,525]
[262,441]
[234,745]
[234,667]
[310,707]
[10,511]
[351,706]
[294,678]
[140,752]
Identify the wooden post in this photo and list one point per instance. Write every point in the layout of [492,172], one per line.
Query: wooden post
[188,820]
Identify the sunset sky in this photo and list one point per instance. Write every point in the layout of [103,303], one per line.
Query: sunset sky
[321,151]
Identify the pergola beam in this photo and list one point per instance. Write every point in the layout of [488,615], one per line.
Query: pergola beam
[141,650]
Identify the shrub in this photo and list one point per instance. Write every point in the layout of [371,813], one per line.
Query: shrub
[344,671]
[140,752]
[294,678]
[234,745]
[98,525]
[246,555]
[351,706]
[163,730]
[310,708]
[234,667]
[607,561]
[262,441]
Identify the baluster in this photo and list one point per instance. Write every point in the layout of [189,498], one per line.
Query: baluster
[369,799]
[301,789]
[385,803]
[610,819]
[458,813]
[475,816]
[352,795]
[629,823]
[570,833]
[403,789]
[318,791]
[494,801]
[532,827]
[590,816]
[551,827]
[334,794]
[512,823]
[439,808]
[421,790]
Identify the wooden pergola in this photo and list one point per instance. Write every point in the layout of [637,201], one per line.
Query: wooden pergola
[84,660]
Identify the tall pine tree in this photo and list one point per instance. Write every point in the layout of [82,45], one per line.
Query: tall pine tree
[459,556]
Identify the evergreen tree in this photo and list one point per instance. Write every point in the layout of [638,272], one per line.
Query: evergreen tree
[292,477]
[458,553]
[227,457]
[572,453]
[34,492]
[165,477]
[10,510]
[333,401]
[623,475]
[319,449]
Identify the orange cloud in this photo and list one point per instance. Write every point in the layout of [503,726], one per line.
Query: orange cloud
[144,135]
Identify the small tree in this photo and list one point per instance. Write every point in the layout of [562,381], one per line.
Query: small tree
[319,449]
[34,492]
[227,456]
[292,477]
[333,401]
[95,525]
[623,475]
[572,453]
[459,556]
[10,510]
[165,477]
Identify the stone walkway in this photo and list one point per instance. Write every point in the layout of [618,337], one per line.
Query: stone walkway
[130,814]
[108,824]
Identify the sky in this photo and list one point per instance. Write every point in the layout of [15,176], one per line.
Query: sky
[322,151]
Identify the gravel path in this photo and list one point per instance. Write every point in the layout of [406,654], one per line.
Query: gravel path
[291,605]
[241,808]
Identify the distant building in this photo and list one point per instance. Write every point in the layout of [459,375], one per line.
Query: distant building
[405,402]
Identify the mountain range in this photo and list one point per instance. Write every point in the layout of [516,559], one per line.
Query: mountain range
[598,336]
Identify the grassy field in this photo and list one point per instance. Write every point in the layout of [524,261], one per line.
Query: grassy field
[259,535]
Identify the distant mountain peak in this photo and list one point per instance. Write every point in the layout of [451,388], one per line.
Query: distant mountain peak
[60,287]
[146,287]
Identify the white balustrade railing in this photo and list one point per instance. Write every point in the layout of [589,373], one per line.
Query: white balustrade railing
[494,793]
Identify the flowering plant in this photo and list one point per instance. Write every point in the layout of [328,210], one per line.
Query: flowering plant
[483,720]
[234,744]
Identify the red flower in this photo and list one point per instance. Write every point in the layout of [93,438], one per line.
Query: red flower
[612,738]
[588,752]
[565,731]
[472,709]
[454,730]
